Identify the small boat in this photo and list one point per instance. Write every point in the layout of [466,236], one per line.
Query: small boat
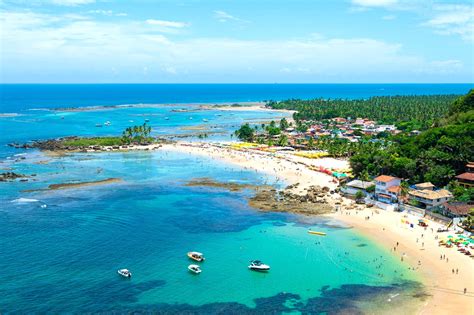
[107,123]
[316,233]
[167,118]
[257,265]
[124,273]
[205,120]
[98,125]
[196,256]
[195,269]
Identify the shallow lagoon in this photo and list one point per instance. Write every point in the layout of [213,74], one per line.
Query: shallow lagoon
[64,257]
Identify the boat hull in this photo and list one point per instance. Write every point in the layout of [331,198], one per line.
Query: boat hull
[317,233]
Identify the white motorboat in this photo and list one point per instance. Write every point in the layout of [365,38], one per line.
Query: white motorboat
[257,265]
[124,273]
[196,256]
[194,269]
[107,123]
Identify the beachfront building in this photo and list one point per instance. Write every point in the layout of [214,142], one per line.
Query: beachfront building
[457,209]
[426,196]
[352,187]
[387,188]
[467,179]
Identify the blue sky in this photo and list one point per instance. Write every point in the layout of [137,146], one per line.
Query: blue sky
[226,41]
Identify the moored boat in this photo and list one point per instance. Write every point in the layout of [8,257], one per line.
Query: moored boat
[124,273]
[197,256]
[316,233]
[194,269]
[257,265]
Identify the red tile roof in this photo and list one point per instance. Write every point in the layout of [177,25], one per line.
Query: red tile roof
[385,178]
[460,208]
[394,189]
[466,176]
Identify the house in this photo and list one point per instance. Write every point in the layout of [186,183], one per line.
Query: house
[457,209]
[467,179]
[387,188]
[352,187]
[428,197]
[383,128]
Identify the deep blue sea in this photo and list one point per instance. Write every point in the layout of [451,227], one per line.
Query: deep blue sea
[17,97]
[60,249]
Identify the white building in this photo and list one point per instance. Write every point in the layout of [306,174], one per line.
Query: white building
[387,188]
[352,187]
[428,196]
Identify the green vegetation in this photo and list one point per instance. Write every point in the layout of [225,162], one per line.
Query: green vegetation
[416,112]
[99,141]
[436,155]
[137,134]
[245,133]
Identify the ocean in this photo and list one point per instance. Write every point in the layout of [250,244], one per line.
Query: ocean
[60,249]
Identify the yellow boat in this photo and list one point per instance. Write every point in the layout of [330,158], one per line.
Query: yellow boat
[316,233]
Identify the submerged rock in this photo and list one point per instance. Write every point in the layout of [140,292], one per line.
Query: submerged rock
[10,176]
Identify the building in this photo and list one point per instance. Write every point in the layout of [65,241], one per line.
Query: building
[352,187]
[387,188]
[457,209]
[467,179]
[428,197]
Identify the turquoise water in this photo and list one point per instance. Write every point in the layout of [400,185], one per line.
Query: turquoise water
[60,249]
[64,257]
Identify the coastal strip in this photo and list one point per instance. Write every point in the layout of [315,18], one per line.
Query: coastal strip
[445,272]
[417,247]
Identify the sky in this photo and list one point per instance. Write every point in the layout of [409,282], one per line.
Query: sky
[236,41]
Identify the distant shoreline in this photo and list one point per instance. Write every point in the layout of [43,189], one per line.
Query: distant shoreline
[199,105]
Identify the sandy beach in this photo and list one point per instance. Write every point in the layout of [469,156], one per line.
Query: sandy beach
[420,250]
[288,170]
[417,247]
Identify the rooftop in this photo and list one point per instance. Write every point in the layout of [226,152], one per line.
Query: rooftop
[426,185]
[385,178]
[466,176]
[431,194]
[359,184]
[394,189]
[460,208]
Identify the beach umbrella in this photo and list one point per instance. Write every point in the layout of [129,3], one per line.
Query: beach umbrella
[466,243]
[462,236]
[450,236]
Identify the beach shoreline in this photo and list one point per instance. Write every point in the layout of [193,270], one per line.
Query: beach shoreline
[444,289]
[420,250]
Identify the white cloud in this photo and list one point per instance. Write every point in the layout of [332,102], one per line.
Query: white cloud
[374,3]
[451,19]
[72,2]
[45,48]
[107,13]
[223,16]
[163,23]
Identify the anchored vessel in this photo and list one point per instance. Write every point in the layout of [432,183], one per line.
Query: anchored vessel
[196,256]
[257,265]
[124,273]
